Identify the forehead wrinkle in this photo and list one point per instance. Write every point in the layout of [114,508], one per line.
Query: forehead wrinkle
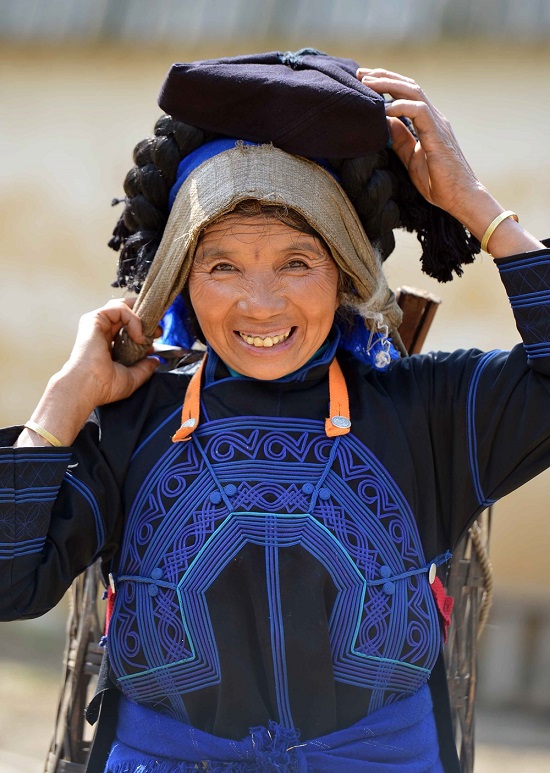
[310,245]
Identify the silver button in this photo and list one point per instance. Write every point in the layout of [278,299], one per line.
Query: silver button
[189,423]
[341,421]
[432,573]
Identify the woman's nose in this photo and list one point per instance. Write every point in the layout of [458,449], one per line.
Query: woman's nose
[263,297]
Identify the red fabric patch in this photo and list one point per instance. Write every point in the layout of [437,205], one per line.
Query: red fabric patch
[109,609]
[444,605]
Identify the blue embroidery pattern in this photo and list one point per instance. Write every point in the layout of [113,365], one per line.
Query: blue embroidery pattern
[91,501]
[26,518]
[472,428]
[526,282]
[273,483]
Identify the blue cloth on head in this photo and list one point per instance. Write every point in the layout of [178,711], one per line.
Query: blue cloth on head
[398,738]
[211,149]
[198,157]
[176,329]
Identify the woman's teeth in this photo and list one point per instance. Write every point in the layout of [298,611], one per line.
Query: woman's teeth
[264,342]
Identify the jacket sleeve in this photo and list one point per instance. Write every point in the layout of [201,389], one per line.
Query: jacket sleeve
[58,511]
[491,410]
[527,282]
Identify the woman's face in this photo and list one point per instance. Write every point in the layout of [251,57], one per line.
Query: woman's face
[264,294]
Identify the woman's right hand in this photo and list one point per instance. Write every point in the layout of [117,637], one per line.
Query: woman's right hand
[90,377]
[91,365]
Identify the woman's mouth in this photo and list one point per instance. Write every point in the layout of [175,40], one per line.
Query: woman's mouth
[265,341]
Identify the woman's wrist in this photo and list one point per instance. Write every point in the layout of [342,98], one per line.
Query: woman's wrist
[508,238]
[61,414]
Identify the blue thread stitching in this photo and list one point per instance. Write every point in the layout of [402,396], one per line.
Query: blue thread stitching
[212,473]
[530,301]
[53,457]
[223,547]
[87,494]
[523,263]
[276,623]
[298,451]
[471,422]
[154,432]
[30,494]
[144,580]
[438,560]
[173,450]
[537,350]
[328,465]
[9,550]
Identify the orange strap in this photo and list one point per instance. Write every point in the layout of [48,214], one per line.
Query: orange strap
[191,406]
[338,423]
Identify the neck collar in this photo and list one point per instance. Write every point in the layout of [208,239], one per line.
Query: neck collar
[337,423]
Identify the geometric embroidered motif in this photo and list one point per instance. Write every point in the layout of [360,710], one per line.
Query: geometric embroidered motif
[29,485]
[526,282]
[275,483]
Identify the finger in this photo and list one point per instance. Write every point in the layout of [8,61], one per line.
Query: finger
[428,124]
[403,142]
[379,72]
[134,328]
[397,89]
[141,372]
[126,379]
[127,301]
[119,314]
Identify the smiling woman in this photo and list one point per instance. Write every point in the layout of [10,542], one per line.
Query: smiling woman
[264,294]
[273,546]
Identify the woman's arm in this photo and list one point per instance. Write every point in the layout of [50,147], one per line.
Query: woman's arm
[437,166]
[489,411]
[89,377]
[60,506]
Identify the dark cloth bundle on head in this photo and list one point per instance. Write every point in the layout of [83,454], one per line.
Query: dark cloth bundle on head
[311,104]
[307,103]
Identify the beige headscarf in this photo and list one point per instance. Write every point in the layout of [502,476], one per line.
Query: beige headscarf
[272,176]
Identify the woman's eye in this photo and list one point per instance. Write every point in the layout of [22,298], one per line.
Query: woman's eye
[297,263]
[223,267]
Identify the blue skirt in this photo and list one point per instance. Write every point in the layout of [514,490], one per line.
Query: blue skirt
[399,738]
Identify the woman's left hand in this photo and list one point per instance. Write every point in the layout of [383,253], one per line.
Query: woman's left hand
[436,164]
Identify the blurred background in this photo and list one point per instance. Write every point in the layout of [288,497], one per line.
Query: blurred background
[78,87]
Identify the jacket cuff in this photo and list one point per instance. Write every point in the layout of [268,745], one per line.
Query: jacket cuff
[29,482]
[527,281]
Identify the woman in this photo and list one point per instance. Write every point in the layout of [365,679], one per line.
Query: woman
[273,545]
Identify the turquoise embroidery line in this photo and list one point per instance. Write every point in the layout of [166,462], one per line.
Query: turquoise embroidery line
[335,516]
